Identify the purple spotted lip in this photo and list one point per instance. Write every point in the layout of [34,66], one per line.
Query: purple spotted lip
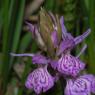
[70,65]
[39,80]
[83,85]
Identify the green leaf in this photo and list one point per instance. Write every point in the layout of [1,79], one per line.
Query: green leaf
[18,28]
[91,46]
[87,2]
[24,43]
[9,22]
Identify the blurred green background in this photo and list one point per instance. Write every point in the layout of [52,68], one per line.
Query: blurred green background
[79,15]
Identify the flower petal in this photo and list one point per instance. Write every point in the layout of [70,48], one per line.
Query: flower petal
[39,59]
[54,38]
[91,79]
[64,31]
[28,82]
[79,86]
[54,64]
[70,65]
[31,27]
[67,44]
[80,38]
[40,80]
[68,87]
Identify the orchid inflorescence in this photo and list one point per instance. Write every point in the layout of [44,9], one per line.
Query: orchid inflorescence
[54,40]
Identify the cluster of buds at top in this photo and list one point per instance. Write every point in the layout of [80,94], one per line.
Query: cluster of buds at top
[53,39]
